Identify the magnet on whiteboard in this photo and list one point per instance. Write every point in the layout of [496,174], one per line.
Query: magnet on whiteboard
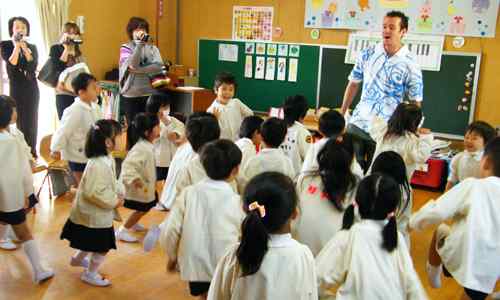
[458,41]
[315,34]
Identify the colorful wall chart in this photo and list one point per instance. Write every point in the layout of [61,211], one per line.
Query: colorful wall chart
[253,23]
[271,61]
[452,17]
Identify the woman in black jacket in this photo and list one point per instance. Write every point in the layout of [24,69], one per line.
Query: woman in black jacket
[63,55]
[21,59]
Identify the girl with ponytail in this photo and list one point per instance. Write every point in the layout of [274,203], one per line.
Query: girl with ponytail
[89,228]
[391,163]
[138,174]
[365,259]
[324,195]
[404,135]
[267,263]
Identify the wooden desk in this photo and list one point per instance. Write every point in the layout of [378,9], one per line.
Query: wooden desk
[187,100]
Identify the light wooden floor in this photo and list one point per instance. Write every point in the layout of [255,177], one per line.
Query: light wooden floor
[134,274]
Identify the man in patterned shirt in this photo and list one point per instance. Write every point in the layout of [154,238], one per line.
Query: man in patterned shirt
[389,74]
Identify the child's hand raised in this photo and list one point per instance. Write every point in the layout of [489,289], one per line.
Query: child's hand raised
[217,112]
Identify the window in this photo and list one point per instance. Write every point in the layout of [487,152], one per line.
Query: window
[28,9]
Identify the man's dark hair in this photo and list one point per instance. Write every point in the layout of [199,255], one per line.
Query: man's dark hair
[402,17]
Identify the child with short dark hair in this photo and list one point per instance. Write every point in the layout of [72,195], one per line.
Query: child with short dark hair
[197,246]
[466,164]
[298,139]
[250,137]
[138,174]
[271,157]
[89,228]
[16,184]
[68,142]
[15,132]
[199,132]
[6,234]
[201,128]
[469,250]
[171,133]
[331,126]
[267,263]
[365,260]
[229,111]
[187,168]
[325,194]
[390,163]
[403,135]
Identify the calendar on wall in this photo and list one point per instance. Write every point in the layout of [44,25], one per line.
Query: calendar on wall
[253,23]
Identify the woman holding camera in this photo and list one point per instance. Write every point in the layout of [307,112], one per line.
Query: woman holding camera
[21,59]
[64,55]
[137,59]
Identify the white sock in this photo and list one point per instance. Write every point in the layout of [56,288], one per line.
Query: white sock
[80,255]
[10,234]
[31,250]
[3,232]
[95,261]
[434,275]
[122,229]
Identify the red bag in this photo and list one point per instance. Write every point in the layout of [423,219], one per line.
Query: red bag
[435,177]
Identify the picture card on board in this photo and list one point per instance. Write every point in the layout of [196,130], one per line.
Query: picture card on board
[260,64]
[281,69]
[270,68]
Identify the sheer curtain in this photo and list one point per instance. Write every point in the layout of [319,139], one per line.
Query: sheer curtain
[53,14]
[38,13]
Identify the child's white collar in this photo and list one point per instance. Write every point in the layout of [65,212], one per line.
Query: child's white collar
[280,240]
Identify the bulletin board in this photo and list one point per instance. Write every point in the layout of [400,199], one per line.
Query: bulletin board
[452,17]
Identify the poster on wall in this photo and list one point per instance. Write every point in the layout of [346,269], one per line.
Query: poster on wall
[228,52]
[253,23]
[452,17]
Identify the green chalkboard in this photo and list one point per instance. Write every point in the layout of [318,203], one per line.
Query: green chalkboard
[259,94]
[443,90]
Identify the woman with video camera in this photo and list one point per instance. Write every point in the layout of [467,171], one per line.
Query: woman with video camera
[138,58]
[21,59]
[64,55]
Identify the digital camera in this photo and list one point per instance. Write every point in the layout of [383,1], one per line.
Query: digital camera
[18,37]
[145,38]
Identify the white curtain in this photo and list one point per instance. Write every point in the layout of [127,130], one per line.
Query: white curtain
[53,14]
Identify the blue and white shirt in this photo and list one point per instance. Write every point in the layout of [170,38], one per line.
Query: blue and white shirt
[386,81]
